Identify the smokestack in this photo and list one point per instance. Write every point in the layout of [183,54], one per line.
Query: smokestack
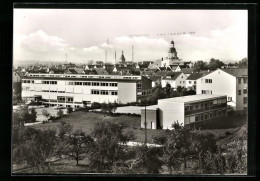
[132,53]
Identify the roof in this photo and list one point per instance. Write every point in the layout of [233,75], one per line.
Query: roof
[192,98]
[163,73]
[174,76]
[153,107]
[155,78]
[195,76]
[187,70]
[239,72]
[101,71]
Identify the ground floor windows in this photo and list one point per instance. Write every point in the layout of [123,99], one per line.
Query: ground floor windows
[209,115]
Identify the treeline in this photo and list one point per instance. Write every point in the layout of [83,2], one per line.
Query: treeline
[182,151]
[216,63]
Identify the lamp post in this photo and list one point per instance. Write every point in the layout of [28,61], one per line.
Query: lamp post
[145,124]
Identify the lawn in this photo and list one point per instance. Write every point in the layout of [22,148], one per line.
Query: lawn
[87,120]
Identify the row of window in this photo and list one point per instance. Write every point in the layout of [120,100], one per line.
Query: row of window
[240,80]
[205,104]
[195,82]
[28,81]
[208,80]
[49,82]
[206,91]
[146,92]
[244,91]
[93,84]
[103,92]
[206,116]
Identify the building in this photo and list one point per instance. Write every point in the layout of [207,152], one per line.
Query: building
[175,79]
[16,77]
[172,59]
[191,81]
[78,90]
[230,82]
[186,110]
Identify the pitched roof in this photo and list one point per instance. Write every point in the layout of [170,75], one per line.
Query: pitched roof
[195,76]
[239,72]
[163,73]
[101,71]
[174,76]
[155,78]
[187,70]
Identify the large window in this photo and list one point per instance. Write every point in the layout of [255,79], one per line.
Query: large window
[86,83]
[95,83]
[78,83]
[245,91]
[208,80]
[95,91]
[53,82]
[104,92]
[245,80]
[245,100]
[113,92]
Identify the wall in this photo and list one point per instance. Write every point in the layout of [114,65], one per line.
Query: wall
[181,80]
[151,115]
[126,92]
[222,83]
[240,98]
[170,112]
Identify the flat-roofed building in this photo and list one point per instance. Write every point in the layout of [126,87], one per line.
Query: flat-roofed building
[185,110]
[78,90]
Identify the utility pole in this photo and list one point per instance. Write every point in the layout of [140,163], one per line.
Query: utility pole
[145,126]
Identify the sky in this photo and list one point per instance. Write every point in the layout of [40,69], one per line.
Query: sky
[86,34]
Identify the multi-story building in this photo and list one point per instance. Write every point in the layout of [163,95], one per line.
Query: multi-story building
[230,82]
[186,110]
[191,81]
[78,90]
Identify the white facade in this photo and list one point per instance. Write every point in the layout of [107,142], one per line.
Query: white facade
[221,82]
[77,90]
[179,81]
[190,83]
[184,110]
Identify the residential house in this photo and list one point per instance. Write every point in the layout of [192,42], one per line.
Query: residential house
[175,79]
[230,82]
[191,80]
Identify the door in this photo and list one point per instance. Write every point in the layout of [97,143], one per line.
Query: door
[153,125]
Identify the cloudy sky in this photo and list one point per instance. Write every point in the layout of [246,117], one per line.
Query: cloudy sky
[83,34]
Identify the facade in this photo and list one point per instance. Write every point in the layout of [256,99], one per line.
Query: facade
[16,77]
[191,81]
[186,110]
[175,79]
[77,90]
[230,82]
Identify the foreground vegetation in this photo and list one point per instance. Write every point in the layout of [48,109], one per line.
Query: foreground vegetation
[69,149]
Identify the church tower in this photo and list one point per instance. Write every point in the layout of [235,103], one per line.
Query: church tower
[172,54]
[122,58]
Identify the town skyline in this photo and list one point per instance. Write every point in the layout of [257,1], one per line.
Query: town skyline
[41,35]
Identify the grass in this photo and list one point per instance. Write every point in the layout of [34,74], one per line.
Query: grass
[87,120]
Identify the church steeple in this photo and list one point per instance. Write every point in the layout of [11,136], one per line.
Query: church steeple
[122,58]
[172,51]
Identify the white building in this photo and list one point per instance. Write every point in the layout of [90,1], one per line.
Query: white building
[186,110]
[77,90]
[230,82]
[175,79]
[191,81]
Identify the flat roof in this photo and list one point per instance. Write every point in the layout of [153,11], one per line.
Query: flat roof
[153,107]
[198,97]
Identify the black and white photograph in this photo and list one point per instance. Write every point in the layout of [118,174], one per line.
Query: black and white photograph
[130,91]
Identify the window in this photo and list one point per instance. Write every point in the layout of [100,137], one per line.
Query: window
[223,112]
[189,82]
[210,103]
[183,81]
[182,77]
[196,106]
[113,92]
[191,108]
[69,99]
[201,117]
[219,113]
[239,92]
[206,116]
[202,105]
[139,86]
[245,91]
[208,80]
[197,118]
[71,83]
[211,115]
[95,91]
[245,80]
[95,83]
[104,92]
[180,82]
[239,81]
[195,82]
[187,108]
[86,83]
[245,100]
[229,99]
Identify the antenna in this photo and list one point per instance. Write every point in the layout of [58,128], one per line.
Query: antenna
[115,56]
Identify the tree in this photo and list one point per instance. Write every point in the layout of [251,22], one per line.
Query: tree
[76,143]
[243,63]
[107,147]
[215,64]
[37,147]
[60,113]
[45,113]
[168,89]
[69,110]
[177,149]
[200,65]
[147,160]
